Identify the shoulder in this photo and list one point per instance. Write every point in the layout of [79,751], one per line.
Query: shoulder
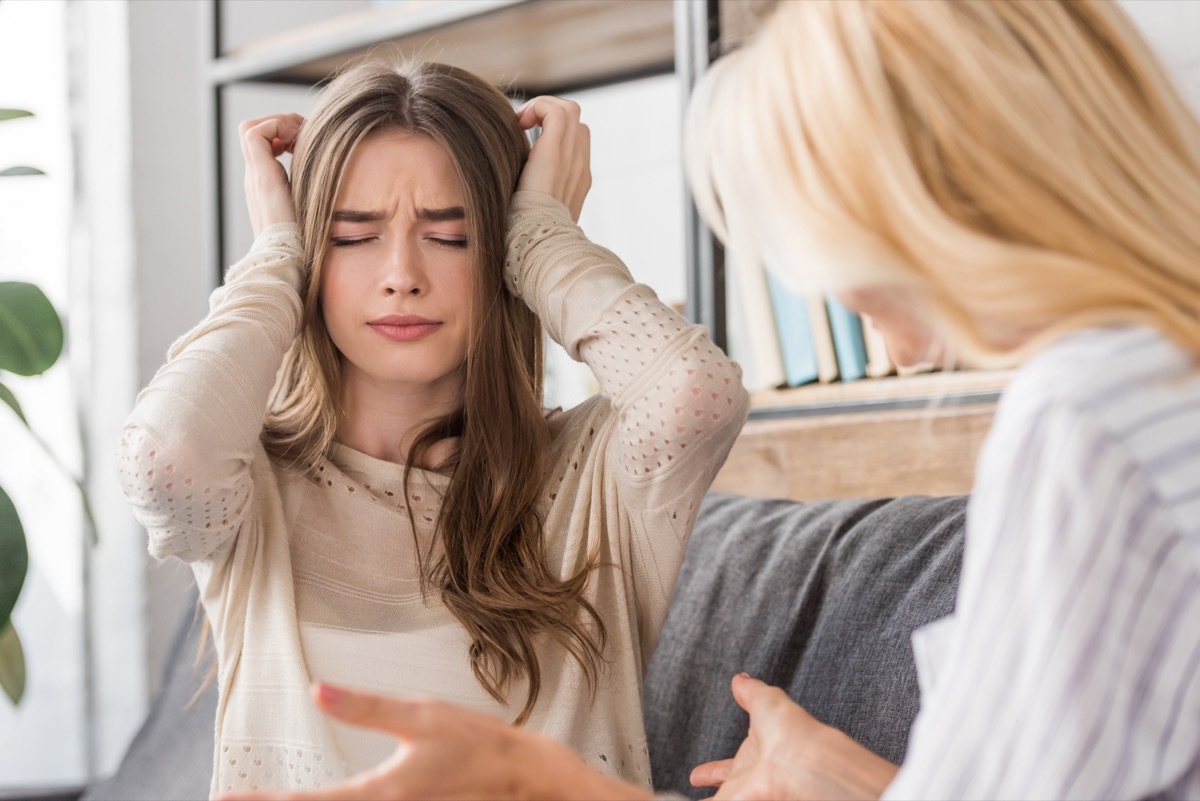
[1099,398]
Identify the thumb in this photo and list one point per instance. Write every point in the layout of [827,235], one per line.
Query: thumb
[711,774]
[748,692]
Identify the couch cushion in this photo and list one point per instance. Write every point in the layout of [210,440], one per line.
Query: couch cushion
[818,598]
[171,756]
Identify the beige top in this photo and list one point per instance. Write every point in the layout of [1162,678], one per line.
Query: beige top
[314,577]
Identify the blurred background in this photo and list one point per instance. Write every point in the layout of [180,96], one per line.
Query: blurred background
[135,109]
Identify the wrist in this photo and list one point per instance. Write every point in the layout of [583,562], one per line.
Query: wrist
[558,773]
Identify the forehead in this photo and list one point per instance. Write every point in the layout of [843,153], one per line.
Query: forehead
[397,167]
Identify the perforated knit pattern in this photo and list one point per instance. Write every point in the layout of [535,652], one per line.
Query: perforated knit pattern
[200,513]
[260,766]
[695,394]
[315,576]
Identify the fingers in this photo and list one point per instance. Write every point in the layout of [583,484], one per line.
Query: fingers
[711,774]
[545,108]
[560,163]
[278,130]
[746,690]
[334,793]
[268,194]
[370,711]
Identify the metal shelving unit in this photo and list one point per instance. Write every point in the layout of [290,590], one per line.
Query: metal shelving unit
[557,46]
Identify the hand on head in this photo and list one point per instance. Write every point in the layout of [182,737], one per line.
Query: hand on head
[560,163]
[790,754]
[268,193]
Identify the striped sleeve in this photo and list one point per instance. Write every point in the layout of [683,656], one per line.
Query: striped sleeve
[1071,667]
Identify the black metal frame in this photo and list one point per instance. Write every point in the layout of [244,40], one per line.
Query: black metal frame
[697,45]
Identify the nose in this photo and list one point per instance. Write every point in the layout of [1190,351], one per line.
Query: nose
[403,271]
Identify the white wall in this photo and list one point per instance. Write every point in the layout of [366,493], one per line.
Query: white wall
[135,263]
[44,738]
[1172,27]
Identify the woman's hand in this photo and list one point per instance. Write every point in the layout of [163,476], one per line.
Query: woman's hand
[447,752]
[268,194]
[789,754]
[560,163]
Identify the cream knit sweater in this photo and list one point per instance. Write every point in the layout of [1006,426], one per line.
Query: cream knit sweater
[313,576]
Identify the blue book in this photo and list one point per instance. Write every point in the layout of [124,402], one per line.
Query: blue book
[848,341]
[794,328]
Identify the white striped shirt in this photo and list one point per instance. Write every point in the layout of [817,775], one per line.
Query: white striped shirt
[1071,666]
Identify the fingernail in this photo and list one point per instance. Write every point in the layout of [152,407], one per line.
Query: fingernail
[329,694]
[743,675]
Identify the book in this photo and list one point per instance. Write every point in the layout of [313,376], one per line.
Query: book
[751,329]
[848,343]
[879,362]
[822,334]
[794,329]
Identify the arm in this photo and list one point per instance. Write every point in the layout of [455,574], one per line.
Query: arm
[1066,670]
[679,400]
[184,455]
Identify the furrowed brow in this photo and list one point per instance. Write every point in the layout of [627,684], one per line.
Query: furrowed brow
[449,214]
[356,216]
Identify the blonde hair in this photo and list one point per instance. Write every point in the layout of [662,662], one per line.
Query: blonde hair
[489,569]
[1026,166]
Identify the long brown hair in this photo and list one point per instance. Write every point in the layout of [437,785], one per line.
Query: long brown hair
[489,569]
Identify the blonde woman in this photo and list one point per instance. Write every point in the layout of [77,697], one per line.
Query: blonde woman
[1001,183]
[406,517]
[1018,184]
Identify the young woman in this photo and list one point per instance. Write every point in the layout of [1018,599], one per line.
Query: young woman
[351,452]
[1003,182]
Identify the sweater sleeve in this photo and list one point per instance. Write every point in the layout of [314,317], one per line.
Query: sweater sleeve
[678,399]
[185,452]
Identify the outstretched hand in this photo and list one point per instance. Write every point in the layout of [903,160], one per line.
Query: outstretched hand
[560,163]
[789,754]
[268,193]
[447,752]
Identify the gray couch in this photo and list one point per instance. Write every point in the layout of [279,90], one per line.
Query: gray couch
[818,598]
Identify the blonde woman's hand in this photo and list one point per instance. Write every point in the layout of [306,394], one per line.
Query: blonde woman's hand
[789,754]
[446,751]
[268,194]
[560,163]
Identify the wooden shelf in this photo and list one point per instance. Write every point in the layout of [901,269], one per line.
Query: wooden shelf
[923,390]
[531,46]
[869,455]
[874,438]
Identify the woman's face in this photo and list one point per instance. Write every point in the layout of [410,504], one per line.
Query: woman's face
[897,314]
[396,283]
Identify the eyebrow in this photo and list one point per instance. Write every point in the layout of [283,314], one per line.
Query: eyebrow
[448,214]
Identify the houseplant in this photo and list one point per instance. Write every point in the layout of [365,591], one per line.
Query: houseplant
[31,341]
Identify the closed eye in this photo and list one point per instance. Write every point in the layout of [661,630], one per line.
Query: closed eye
[457,244]
[345,242]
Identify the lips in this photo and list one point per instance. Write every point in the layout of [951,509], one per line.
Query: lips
[404,327]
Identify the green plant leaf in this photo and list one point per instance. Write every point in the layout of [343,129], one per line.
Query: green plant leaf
[13,113]
[14,171]
[11,399]
[14,557]
[12,664]
[31,333]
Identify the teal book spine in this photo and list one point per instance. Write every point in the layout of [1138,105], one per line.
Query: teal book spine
[794,328]
[848,341]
